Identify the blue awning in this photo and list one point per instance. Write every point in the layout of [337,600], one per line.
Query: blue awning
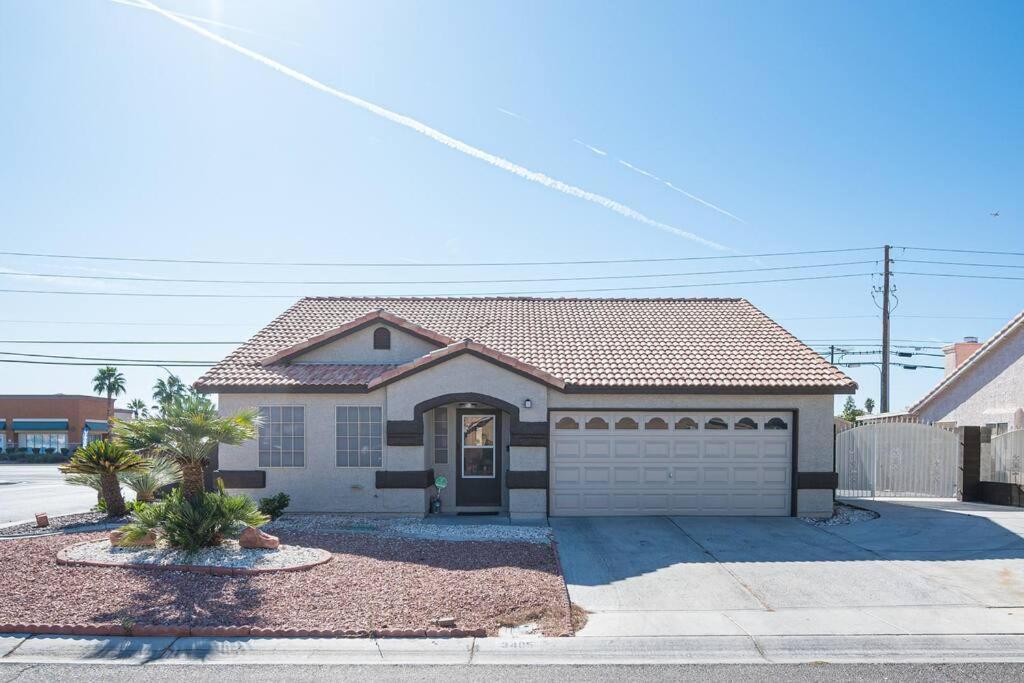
[97,425]
[3,424]
[40,425]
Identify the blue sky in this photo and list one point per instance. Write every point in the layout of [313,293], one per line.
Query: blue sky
[819,125]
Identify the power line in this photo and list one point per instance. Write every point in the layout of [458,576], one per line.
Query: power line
[962,275]
[964,251]
[961,263]
[453,264]
[96,365]
[150,343]
[421,295]
[140,278]
[108,323]
[109,360]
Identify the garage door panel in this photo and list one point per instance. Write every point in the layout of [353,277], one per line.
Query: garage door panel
[673,470]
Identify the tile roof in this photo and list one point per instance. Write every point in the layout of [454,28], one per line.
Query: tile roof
[972,361]
[695,344]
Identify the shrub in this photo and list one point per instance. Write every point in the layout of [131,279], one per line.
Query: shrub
[106,460]
[192,524]
[162,472]
[273,506]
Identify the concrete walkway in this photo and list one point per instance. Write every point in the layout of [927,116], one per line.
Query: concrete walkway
[922,567]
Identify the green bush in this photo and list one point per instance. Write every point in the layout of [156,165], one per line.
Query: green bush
[192,525]
[273,506]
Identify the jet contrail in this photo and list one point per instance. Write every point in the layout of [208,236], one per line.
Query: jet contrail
[681,191]
[595,150]
[203,20]
[438,136]
[514,115]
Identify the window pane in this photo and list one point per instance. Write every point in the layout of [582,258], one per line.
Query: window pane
[360,435]
[686,423]
[745,423]
[776,423]
[478,462]
[626,423]
[596,423]
[567,423]
[478,430]
[716,423]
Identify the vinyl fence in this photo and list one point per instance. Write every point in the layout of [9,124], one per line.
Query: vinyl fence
[1007,453]
[897,459]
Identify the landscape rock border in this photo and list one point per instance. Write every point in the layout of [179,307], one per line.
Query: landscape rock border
[62,559]
[181,631]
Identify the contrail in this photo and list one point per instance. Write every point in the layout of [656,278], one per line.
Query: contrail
[438,136]
[204,20]
[595,150]
[514,115]
[681,191]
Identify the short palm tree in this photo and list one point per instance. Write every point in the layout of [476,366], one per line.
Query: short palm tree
[161,472]
[188,432]
[138,408]
[110,382]
[107,459]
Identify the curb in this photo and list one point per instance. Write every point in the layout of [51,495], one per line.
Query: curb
[61,532]
[561,573]
[183,631]
[62,559]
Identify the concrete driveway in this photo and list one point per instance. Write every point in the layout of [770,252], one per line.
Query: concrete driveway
[921,567]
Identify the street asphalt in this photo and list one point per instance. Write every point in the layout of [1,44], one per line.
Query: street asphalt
[28,489]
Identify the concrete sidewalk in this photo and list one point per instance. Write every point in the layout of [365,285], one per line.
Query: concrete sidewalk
[731,649]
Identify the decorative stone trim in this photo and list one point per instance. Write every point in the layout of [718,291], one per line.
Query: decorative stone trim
[62,558]
[405,432]
[242,479]
[401,479]
[529,433]
[184,631]
[817,480]
[526,479]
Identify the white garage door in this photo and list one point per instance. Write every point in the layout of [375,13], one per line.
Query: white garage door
[677,463]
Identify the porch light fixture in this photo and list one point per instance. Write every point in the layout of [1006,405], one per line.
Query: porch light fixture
[527,403]
[467,405]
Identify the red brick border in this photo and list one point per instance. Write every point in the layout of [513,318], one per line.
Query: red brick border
[182,631]
[196,569]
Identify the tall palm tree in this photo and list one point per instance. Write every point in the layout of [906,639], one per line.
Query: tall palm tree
[110,382]
[165,392]
[188,431]
[106,459]
[138,408]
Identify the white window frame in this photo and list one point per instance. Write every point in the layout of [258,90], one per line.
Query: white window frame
[493,447]
[304,453]
[383,438]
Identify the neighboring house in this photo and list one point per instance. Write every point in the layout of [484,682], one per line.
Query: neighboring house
[52,421]
[533,406]
[983,385]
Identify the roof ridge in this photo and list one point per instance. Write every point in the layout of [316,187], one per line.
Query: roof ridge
[428,297]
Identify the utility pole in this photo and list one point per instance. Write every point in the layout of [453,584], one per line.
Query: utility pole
[832,354]
[884,397]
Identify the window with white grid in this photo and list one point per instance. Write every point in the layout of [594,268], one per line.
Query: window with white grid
[360,436]
[282,439]
[441,436]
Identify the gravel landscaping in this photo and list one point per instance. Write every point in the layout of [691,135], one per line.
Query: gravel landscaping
[228,554]
[371,583]
[408,527]
[65,523]
[843,514]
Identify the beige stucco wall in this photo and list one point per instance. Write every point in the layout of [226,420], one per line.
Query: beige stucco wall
[987,393]
[357,348]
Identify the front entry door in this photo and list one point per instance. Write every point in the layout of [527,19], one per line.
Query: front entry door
[478,461]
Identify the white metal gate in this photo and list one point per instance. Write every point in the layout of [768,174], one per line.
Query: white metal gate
[1008,457]
[897,459]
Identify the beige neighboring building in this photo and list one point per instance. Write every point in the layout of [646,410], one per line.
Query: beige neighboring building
[983,385]
[532,407]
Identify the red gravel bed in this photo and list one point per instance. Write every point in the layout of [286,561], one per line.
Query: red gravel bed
[371,586]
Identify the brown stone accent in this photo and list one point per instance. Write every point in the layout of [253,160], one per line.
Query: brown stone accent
[254,538]
[405,432]
[529,433]
[526,479]
[412,479]
[817,480]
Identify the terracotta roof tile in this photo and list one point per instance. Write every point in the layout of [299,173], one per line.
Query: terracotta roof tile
[585,343]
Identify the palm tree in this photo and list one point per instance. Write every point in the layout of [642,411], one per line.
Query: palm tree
[165,392]
[110,382]
[188,432]
[138,408]
[161,472]
[107,459]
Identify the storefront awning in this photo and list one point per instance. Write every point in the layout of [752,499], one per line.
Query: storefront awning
[3,424]
[40,425]
[97,425]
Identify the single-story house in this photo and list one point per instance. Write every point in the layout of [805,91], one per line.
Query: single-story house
[532,407]
[983,385]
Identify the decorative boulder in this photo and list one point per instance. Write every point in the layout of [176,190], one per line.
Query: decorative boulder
[42,520]
[117,540]
[254,538]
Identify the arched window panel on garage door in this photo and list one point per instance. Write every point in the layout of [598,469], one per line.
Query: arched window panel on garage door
[716,423]
[567,423]
[656,423]
[597,423]
[626,422]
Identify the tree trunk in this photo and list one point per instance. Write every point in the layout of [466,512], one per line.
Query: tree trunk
[112,495]
[110,417]
[192,480]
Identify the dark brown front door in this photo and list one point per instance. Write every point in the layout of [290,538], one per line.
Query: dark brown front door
[478,458]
